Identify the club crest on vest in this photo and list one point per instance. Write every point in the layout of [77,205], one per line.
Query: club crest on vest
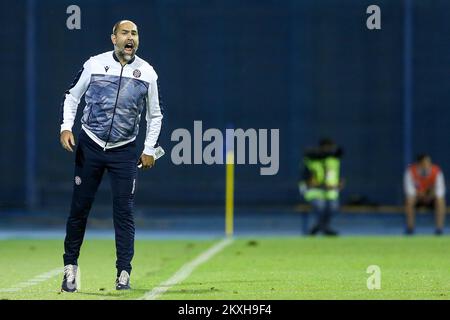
[136,73]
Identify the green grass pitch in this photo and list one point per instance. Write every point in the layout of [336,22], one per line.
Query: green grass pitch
[250,268]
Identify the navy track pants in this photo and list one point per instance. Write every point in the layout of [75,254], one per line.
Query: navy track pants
[91,161]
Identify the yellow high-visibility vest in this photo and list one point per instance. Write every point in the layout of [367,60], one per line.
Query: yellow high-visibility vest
[325,173]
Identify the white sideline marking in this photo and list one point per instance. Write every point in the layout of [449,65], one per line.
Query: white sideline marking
[186,270]
[36,280]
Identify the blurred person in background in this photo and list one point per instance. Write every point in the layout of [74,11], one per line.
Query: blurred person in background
[320,183]
[424,186]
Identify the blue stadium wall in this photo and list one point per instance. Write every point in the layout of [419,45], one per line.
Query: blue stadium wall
[310,68]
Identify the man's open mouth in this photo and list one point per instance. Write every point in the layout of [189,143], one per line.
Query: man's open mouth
[129,47]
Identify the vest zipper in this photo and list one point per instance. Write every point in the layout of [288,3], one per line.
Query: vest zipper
[114,111]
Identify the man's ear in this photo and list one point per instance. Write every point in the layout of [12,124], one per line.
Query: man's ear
[113,39]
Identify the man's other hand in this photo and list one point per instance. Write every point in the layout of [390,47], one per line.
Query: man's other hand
[67,140]
[147,161]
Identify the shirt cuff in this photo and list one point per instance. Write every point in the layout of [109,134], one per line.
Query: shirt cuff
[66,127]
[149,151]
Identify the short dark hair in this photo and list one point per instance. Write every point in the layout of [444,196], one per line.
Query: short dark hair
[114,30]
[422,156]
[323,142]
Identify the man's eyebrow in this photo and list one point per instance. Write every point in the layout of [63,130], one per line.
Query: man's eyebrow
[126,30]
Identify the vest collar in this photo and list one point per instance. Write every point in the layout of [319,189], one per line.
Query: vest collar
[117,59]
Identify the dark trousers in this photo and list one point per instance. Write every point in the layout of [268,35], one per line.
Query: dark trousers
[90,164]
[324,211]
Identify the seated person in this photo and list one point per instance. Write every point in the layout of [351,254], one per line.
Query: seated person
[424,185]
[320,184]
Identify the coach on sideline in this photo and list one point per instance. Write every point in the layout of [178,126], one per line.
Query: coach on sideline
[117,85]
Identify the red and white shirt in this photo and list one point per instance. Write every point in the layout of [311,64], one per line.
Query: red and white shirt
[415,181]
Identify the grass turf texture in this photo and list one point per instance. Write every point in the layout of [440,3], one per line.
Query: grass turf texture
[250,268]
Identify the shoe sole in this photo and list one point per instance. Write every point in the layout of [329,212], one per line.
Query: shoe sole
[62,290]
[121,289]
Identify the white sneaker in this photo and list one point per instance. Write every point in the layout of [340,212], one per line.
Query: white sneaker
[123,281]
[69,283]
